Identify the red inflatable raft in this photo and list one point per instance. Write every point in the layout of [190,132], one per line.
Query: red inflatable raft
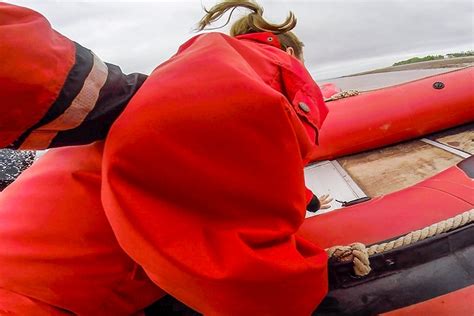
[411,189]
[386,116]
[416,274]
[432,276]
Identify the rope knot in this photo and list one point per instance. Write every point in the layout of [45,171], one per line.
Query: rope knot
[356,253]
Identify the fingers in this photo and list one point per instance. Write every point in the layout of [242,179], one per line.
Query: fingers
[324,196]
[329,200]
[325,201]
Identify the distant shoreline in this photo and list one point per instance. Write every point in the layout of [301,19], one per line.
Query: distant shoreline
[457,62]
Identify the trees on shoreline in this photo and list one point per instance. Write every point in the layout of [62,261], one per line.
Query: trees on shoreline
[433,57]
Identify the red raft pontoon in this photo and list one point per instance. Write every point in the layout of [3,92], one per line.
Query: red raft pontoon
[386,116]
[410,276]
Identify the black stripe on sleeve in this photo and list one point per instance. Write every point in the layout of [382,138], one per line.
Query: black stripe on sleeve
[71,88]
[114,96]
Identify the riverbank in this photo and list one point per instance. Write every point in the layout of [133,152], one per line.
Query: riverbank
[458,62]
[381,79]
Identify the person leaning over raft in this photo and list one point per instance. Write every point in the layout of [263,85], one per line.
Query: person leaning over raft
[208,214]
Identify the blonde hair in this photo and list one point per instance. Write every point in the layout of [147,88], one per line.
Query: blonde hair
[253,23]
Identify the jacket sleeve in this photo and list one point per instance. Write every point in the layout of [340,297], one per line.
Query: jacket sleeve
[307,101]
[53,91]
[305,97]
[312,202]
[207,197]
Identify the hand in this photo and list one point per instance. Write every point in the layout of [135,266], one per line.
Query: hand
[324,201]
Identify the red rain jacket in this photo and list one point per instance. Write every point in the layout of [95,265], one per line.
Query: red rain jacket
[201,188]
[203,178]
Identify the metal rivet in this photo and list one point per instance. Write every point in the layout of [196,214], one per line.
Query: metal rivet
[270,39]
[303,106]
[438,85]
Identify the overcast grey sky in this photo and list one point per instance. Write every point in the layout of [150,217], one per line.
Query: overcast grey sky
[341,36]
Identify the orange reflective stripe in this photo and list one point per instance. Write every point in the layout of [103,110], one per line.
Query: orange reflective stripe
[82,105]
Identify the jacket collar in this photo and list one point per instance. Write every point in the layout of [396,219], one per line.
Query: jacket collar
[262,37]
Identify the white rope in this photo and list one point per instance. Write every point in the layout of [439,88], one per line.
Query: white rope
[359,254]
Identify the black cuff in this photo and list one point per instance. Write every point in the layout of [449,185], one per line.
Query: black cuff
[313,205]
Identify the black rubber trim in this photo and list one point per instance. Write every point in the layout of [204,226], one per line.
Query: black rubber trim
[403,277]
[467,165]
[113,97]
[168,305]
[314,205]
[71,88]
